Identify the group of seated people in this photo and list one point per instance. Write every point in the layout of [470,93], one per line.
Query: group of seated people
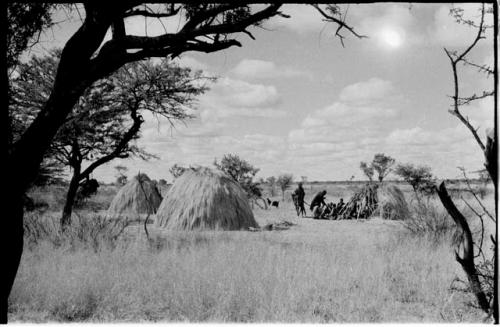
[322,210]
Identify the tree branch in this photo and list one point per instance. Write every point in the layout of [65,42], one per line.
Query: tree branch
[120,146]
[149,13]
[341,24]
[467,259]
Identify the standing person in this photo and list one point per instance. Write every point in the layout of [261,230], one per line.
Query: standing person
[317,202]
[299,195]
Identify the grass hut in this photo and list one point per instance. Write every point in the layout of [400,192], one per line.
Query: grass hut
[391,203]
[138,197]
[205,199]
[384,200]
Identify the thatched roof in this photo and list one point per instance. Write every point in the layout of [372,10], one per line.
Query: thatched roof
[391,202]
[375,199]
[138,196]
[163,189]
[205,199]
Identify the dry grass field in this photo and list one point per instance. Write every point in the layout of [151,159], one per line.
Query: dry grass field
[316,271]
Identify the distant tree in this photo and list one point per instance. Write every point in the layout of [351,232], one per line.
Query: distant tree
[272,185]
[284,181]
[367,170]
[176,170]
[242,172]
[107,118]
[382,164]
[419,177]
[121,178]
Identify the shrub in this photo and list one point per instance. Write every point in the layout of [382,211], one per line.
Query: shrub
[428,219]
[92,232]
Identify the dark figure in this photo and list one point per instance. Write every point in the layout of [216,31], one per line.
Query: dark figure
[273,203]
[333,211]
[87,188]
[340,205]
[317,203]
[298,199]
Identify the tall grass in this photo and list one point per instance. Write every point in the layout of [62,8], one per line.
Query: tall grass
[239,277]
[87,231]
[429,218]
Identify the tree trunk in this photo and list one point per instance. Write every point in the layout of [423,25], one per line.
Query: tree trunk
[467,259]
[70,198]
[12,239]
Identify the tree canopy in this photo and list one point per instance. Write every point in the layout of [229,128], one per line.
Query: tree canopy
[241,171]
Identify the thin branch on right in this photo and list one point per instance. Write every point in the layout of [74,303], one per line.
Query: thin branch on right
[481,270]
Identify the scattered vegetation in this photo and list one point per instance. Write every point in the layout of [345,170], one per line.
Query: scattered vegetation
[242,172]
[381,163]
[284,181]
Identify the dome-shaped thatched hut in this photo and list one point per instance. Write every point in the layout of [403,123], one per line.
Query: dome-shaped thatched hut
[138,197]
[204,199]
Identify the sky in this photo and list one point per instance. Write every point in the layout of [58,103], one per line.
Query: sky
[296,101]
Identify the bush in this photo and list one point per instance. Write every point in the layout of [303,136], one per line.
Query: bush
[92,232]
[429,219]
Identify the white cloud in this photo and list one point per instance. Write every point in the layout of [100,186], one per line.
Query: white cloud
[347,128]
[253,68]
[237,93]
[371,90]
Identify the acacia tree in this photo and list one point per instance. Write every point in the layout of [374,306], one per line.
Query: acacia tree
[108,117]
[478,277]
[242,172]
[419,177]
[381,163]
[87,57]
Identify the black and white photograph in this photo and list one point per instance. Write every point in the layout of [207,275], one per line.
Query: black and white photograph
[244,162]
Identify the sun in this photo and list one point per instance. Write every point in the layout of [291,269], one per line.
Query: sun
[391,38]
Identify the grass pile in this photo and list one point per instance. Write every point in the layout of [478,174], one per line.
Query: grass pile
[385,200]
[139,196]
[392,203]
[205,199]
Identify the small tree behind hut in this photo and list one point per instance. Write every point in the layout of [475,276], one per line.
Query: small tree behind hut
[419,177]
[242,172]
[381,164]
[284,182]
[121,178]
[176,170]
